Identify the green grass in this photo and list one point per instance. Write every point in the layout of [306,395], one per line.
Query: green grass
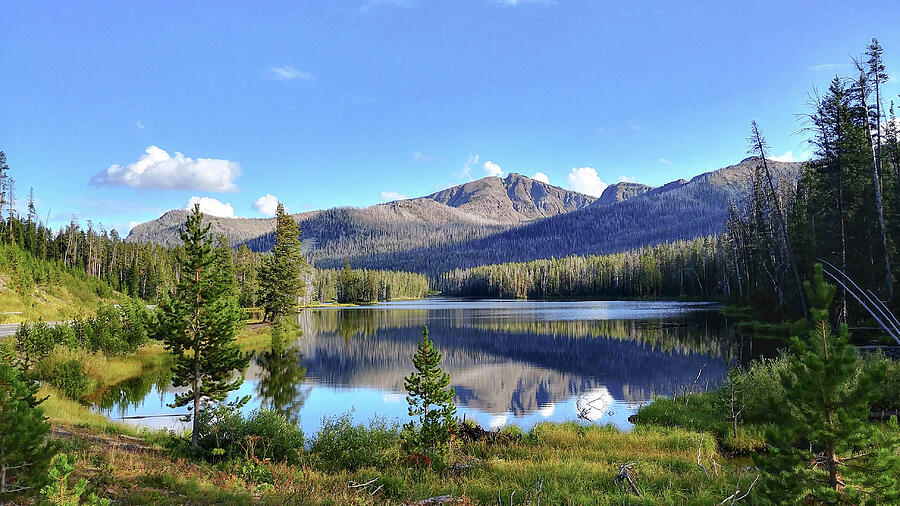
[701,412]
[573,464]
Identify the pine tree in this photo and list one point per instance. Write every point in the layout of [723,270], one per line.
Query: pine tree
[824,450]
[279,276]
[246,272]
[199,322]
[430,398]
[25,451]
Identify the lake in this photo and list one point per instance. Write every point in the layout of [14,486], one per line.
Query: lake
[511,362]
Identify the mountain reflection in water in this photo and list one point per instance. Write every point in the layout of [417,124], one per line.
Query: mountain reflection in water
[510,361]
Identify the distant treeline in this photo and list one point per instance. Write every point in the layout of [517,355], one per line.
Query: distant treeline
[692,268]
[364,285]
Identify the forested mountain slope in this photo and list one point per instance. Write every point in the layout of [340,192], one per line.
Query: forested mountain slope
[677,210]
[488,203]
[490,221]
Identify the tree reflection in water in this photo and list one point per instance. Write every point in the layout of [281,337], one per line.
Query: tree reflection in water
[281,385]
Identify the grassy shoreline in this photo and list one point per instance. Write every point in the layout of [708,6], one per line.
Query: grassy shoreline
[558,462]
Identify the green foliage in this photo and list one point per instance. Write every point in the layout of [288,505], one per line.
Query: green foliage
[115,329]
[265,435]
[69,377]
[25,452]
[674,269]
[279,277]
[430,399]
[198,324]
[364,286]
[59,491]
[823,449]
[34,342]
[246,271]
[281,383]
[341,445]
[276,437]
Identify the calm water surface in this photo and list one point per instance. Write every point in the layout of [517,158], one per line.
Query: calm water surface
[511,362]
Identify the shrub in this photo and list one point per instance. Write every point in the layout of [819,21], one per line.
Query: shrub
[34,342]
[59,492]
[340,445]
[70,377]
[265,434]
[273,436]
[220,428]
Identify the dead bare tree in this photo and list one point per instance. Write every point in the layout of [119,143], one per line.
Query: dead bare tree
[758,146]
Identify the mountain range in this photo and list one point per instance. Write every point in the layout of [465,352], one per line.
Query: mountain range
[493,220]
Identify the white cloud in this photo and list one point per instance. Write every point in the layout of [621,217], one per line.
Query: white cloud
[267,205]
[131,225]
[540,176]
[287,73]
[209,205]
[664,161]
[627,179]
[787,157]
[492,169]
[392,196]
[418,156]
[828,66]
[585,180]
[158,170]
[466,172]
[139,124]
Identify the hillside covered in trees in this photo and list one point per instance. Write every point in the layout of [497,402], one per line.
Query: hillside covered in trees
[499,220]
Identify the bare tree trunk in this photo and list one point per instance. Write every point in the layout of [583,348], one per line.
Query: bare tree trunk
[781,222]
[197,331]
[888,283]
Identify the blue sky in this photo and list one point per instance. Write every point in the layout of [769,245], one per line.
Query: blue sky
[331,103]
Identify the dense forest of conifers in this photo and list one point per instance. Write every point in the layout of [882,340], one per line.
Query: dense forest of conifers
[692,268]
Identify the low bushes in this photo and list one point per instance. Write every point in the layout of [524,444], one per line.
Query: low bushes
[69,376]
[114,330]
[224,432]
[340,444]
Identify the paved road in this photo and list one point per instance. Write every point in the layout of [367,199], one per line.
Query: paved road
[8,329]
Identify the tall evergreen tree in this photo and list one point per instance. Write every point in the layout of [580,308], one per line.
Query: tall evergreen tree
[25,451]
[199,322]
[874,76]
[246,271]
[430,398]
[824,451]
[279,277]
